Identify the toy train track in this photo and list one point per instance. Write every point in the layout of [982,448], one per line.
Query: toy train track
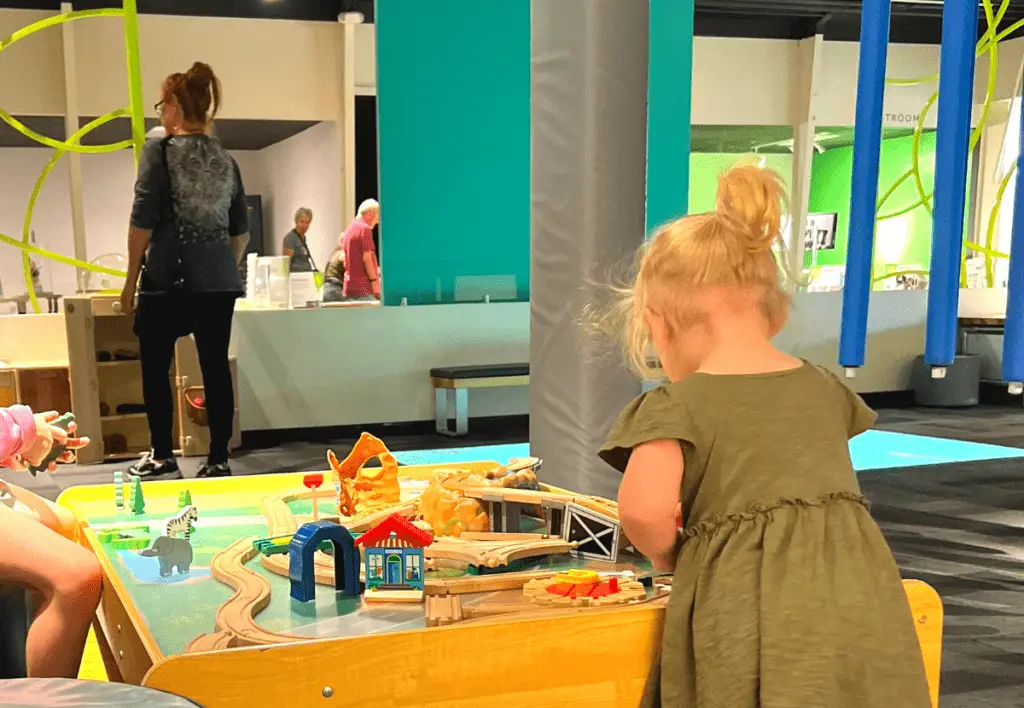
[236,619]
[279,545]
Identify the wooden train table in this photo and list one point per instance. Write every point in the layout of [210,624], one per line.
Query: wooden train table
[226,631]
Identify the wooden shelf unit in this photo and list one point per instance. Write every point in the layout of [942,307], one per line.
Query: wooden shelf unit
[93,326]
[42,387]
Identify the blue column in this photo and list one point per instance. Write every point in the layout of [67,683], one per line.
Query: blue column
[956,94]
[669,88]
[1013,341]
[867,146]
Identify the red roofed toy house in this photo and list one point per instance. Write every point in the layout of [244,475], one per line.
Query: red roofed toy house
[394,560]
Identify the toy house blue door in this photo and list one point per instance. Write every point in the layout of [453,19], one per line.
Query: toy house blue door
[394,570]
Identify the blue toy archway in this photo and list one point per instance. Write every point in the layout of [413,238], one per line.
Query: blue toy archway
[300,559]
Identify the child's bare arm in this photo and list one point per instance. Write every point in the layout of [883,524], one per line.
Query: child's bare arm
[648,500]
[67,576]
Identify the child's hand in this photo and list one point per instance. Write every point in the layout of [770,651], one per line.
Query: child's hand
[48,436]
[665,564]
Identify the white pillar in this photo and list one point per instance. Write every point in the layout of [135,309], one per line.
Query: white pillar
[74,159]
[347,113]
[802,118]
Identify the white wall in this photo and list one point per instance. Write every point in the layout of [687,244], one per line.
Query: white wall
[370,365]
[836,100]
[333,367]
[304,171]
[108,182]
[278,69]
[32,70]
[270,69]
[330,367]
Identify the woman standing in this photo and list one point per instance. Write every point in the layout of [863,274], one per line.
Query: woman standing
[295,246]
[189,228]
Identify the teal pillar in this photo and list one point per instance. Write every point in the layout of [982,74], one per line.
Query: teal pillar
[453,103]
[669,88]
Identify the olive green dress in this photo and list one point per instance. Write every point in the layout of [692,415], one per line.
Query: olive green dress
[785,593]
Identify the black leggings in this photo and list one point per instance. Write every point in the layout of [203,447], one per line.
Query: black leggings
[159,321]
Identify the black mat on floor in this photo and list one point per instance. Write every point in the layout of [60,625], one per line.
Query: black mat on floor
[960,528]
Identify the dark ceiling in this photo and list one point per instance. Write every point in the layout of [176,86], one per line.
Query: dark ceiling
[912,20]
[234,134]
[260,134]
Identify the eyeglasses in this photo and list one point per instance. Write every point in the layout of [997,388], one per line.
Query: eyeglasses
[159,108]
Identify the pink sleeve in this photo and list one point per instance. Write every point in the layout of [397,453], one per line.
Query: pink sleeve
[17,432]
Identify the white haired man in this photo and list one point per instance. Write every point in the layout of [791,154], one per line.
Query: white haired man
[295,243]
[362,272]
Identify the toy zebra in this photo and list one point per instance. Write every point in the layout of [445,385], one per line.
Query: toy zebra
[182,522]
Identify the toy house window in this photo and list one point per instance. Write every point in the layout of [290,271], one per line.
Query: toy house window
[412,568]
[376,566]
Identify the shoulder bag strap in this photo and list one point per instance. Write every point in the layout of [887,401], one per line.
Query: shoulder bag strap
[170,200]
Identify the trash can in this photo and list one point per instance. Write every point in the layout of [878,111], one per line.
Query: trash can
[959,389]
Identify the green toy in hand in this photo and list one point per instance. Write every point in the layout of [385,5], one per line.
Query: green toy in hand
[64,423]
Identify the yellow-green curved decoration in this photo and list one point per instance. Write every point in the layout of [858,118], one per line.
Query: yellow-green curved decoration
[129,11]
[988,43]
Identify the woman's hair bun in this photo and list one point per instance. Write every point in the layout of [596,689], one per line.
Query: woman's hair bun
[753,198]
[200,72]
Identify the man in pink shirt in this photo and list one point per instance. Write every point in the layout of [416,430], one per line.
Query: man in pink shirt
[362,273]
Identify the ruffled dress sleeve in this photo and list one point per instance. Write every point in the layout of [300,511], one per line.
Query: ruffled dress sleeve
[658,414]
[857,415]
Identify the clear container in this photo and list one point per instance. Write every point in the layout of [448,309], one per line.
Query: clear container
[270,288]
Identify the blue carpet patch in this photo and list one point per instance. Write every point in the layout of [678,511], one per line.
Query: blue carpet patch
[874,450]
[880,449]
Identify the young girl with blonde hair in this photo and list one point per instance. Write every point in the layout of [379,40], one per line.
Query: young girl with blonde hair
[784,592]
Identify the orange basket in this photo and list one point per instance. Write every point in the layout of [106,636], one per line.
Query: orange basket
[195,405]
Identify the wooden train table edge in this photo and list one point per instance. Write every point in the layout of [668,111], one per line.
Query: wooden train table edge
[124,636]
[562,658]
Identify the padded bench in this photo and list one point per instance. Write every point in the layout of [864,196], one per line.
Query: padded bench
[451,390]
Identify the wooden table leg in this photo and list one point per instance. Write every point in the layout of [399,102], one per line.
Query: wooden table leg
[107,654]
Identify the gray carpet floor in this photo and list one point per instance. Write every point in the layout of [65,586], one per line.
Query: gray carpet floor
[959,527]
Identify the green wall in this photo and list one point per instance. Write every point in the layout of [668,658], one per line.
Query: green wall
[454,140]
[903,240]
[705,167]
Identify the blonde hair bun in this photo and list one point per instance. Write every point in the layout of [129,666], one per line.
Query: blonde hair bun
[752,197]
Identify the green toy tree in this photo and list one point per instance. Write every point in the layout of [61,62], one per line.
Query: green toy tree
[184,499]
[135,501]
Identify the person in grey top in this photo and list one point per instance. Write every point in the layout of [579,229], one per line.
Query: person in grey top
[189,228]
[295,246]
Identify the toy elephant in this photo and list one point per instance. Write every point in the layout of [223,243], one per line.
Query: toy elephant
[175,554]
